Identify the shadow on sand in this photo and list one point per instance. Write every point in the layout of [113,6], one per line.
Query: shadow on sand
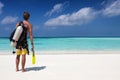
[35,68]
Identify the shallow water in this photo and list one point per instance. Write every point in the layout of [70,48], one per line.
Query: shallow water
[46,44]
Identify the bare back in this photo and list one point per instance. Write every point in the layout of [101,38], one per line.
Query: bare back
[29,27]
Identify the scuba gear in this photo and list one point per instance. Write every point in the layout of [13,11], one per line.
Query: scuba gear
[18,37]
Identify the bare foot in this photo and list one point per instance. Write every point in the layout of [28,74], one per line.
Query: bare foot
[17,70]
[23,70]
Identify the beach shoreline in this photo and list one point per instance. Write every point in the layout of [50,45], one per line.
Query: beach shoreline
[61,52]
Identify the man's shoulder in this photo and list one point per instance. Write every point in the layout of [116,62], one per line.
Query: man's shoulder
[27,23]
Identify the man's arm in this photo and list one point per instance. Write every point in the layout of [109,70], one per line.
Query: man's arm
[31,36]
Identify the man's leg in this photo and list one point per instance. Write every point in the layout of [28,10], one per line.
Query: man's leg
[24,52]
[18,53]
[17,62]
[23,62]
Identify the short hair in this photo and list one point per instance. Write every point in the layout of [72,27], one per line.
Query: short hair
[26,15]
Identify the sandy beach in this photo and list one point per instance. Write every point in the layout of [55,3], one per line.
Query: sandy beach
[94,66]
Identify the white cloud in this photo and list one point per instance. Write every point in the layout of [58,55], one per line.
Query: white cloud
[57,8]
[113,9]
[85,15]
[80,17]
[1,6]
[9,20]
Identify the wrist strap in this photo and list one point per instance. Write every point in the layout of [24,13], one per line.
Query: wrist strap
[32,43]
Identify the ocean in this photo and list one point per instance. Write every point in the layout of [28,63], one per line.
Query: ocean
[57,44]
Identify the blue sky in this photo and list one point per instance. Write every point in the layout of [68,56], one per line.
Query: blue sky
[56,18]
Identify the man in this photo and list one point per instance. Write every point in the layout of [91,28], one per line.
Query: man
[22,47]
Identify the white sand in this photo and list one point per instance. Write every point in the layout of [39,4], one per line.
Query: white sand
[63,67]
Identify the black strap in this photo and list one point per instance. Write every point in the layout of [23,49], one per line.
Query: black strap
[21,23]
[14,40]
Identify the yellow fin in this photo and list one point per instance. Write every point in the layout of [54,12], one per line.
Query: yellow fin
[33,59]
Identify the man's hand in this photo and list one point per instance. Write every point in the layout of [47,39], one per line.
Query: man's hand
[32,45]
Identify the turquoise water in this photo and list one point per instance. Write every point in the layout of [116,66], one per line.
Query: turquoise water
[45,44]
